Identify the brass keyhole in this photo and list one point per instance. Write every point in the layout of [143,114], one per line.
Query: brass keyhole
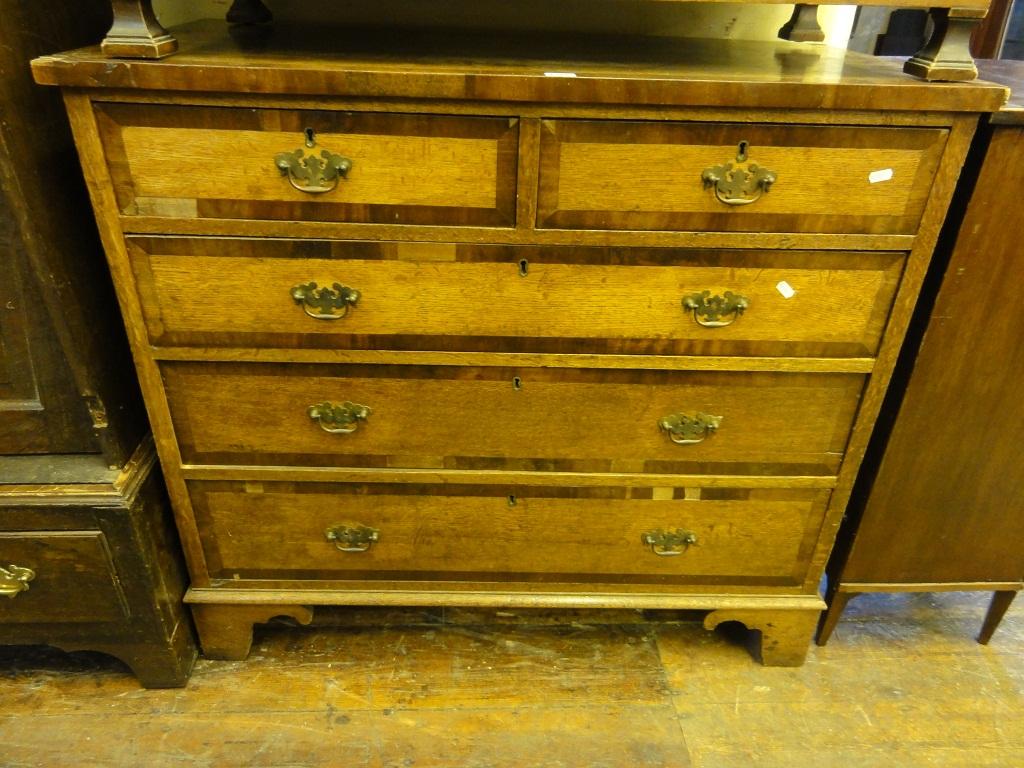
[512,500]
[517,383]
[310,137]
[741,152]
[524,267]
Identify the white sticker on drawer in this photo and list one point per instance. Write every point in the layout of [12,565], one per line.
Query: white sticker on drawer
[885,174]
[786,290]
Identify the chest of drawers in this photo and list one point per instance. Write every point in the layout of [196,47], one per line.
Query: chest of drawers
[434,327]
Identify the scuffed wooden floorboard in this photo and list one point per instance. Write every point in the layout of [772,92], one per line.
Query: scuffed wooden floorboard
[902,683]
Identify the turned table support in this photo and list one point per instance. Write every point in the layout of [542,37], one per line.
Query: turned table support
[947,54]
[803,26]
[137,33]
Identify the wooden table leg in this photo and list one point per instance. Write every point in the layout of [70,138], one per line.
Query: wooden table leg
[833,613]
[803,26]
[785,635]
[136,33]
[996,610]
[947,54]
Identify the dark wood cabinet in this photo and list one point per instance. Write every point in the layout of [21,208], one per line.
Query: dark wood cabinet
[88,556]
[944,508]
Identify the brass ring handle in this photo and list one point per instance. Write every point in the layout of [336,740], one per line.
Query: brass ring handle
[14,580]
[352,537]
[338,419]
[739,183]
[322,303]
[689,430]
[311,174]
[709,310]
[668,543]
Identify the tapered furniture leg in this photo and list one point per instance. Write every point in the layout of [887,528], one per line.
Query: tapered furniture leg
[832,615]
[785,635]
[947,54]
[996,610]
[803,26]
[249,12]
[225,631]
[136,33]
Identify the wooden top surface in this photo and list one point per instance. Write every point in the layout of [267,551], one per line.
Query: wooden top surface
[400,63]
[1010,74]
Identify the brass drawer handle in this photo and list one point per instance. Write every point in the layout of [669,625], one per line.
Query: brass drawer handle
[14,580]
[352,537]
[741,183]
[669,543]
[311,174]
[688,430]
[323,303]
[338,419]
[709,310]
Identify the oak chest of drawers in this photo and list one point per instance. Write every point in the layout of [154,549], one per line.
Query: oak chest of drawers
[428,327]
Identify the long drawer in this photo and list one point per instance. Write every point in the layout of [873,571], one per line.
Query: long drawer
[532,418]
[430,296]
[58,577]
[735,177]
[267,531]
[310,165]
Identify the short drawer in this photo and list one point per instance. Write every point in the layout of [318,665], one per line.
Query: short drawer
[698,177]
[57,577]
[554,419]
[267,531]
[430,296]
[307,165]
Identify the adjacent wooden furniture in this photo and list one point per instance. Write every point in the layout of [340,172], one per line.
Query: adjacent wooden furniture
[85,558]
[943,509]
[89,560]
[136,32]
[467,324]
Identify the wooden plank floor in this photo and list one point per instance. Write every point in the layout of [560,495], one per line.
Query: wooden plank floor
[902,684]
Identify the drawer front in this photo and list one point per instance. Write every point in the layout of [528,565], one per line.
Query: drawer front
[216,162]
[650,176]
[431,296]
[335,531]
[69,577]
[497,418]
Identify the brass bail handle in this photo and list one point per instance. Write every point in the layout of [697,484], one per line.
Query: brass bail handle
[309,173]
[327,303]
[352,537]
[715,311]
[338,419]
[14,580]
[741,182]
[669,543]
[684,429]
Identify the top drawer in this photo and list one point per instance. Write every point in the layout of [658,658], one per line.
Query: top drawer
[661,176]
[234,163]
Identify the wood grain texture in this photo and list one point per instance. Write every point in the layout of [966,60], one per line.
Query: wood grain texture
[622,175]
[219,163]
[942,192]
[959,521]
[466,418]
[268,531]
[476,298]
[75,579]
[500,67]
[90,153]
